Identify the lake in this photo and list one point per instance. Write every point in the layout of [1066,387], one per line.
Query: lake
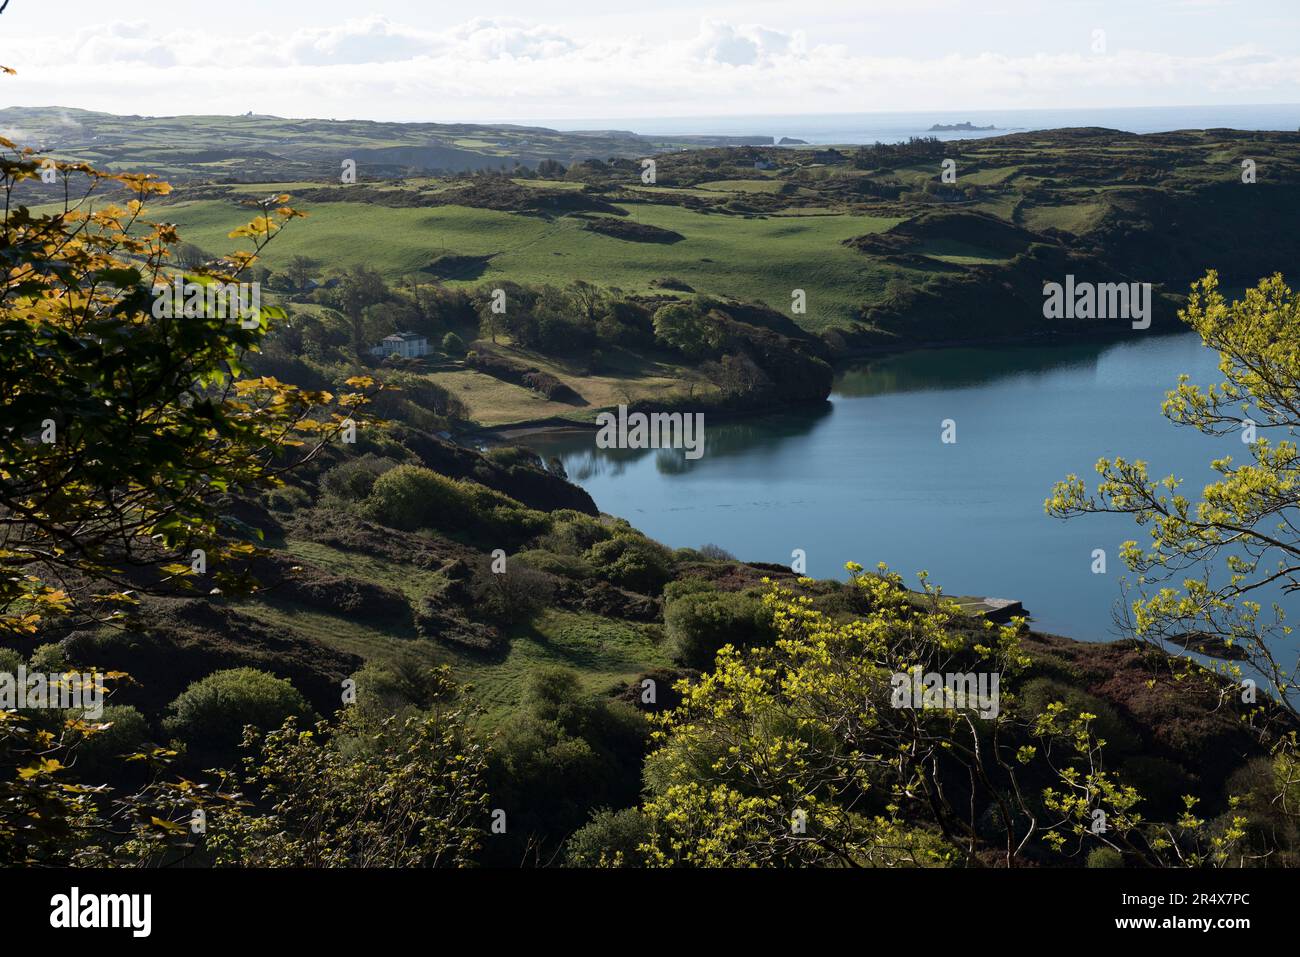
[865,477]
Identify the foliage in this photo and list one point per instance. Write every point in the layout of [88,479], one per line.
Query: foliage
[563,755]
[411,497]
[700,624]
[1239,540]
[400,793]
[212,712]
[801,753]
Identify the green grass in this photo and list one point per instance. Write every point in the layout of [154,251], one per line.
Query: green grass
[414,583]
[603,652]
[757,259]
[956,251]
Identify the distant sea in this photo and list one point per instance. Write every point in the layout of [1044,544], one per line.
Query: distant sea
[859,128]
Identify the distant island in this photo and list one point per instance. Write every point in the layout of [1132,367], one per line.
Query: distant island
[790,141]
[958,127]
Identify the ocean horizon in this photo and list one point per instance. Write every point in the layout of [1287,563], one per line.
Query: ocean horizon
[851,129]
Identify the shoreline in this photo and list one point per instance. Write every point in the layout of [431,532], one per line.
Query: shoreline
[555,425]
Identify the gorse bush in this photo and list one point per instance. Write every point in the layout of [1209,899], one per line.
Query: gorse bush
[699,624]
[354,479]
[633,561]
[211,713]
[411,497]
[10,661]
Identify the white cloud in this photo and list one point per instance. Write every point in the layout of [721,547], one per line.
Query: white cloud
[488,68]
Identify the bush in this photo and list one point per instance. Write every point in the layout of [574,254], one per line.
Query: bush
[410,497]
[49,658]
[100,754]
[1105,857]
[611,837]
[573,533]
[353,479]
[507,456]
[716,553]
[407,682]
[10,661]
[1038,693]
[212,711]
[553,563]
[290,498]
[561,756]
[699,624]
[631,561]
[453,344]
[512,596]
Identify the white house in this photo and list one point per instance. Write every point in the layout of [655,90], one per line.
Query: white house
[405,344]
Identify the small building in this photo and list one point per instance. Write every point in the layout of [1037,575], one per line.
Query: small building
[410,345]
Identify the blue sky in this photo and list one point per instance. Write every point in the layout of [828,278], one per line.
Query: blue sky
[394,60]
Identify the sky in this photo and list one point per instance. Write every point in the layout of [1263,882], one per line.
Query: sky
[529,61]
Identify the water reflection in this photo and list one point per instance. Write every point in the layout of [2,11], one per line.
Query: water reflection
[865,478]
[728,438]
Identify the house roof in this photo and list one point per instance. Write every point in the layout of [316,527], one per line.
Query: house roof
[404,336]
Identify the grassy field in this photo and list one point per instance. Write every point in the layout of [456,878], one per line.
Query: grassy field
[604,652]
[756,259]
[622,378]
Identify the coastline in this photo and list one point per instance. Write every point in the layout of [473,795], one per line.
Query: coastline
[555,425]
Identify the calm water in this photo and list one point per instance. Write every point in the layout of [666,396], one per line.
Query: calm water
[866,478]
[895,127]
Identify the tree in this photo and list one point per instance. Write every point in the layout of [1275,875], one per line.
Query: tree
[360,792]
[550,169]
[122,429]
[680,326]
[358,288]
[298,271]
[804,752]
[1241,538]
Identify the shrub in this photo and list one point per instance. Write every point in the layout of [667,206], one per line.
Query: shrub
[213,711]
[610,837]
[290,498]
[700,623]
[406,682]
[353,479]
[573,533]
[10,661]
[1038,693]
[1105,857]
[716,553]
[410,497]
[632,561]
[127,733]
[511,596]
[453,344]
[553,563]
[511,455]
[49,658]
